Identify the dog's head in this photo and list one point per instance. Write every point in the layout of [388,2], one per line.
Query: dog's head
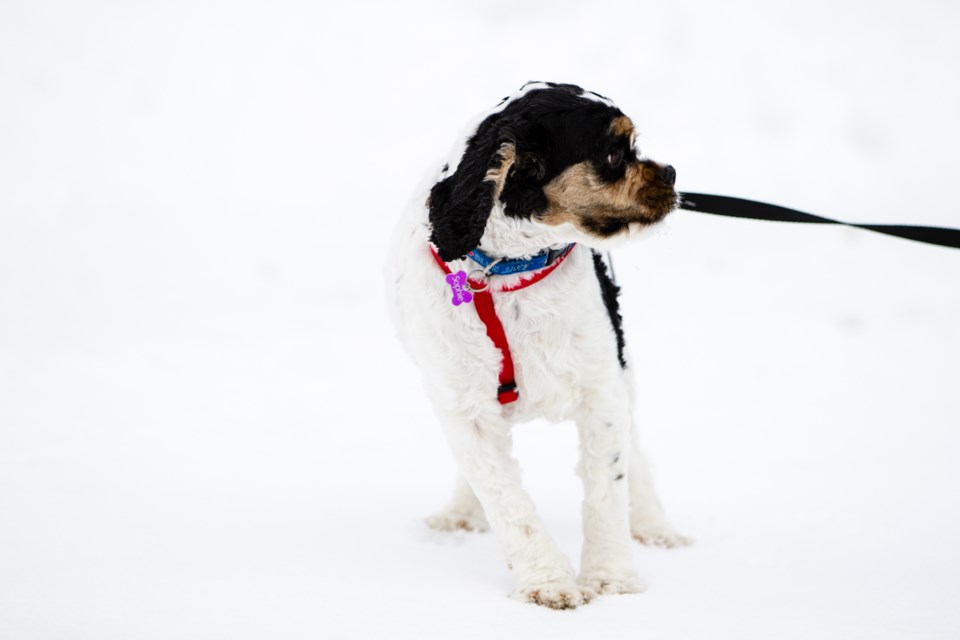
[556,156]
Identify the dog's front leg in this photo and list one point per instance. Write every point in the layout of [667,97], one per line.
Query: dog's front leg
[481,443]
[607,559]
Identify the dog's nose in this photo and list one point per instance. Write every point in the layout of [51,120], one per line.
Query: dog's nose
[668,174]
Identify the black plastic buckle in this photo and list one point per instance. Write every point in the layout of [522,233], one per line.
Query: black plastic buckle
[553,254]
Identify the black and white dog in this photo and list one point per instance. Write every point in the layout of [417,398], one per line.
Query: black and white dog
[502,299]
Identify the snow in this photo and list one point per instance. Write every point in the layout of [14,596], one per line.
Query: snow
[208,431]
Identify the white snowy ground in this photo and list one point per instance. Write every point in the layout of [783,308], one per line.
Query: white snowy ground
[207,430]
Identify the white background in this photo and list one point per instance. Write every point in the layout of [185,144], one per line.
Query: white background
[208,431]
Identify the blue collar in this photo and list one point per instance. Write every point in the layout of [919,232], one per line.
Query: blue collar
[517,265]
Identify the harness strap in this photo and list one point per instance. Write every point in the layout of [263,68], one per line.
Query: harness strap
[507,391]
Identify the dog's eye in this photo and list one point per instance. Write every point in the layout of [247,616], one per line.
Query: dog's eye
[614,159]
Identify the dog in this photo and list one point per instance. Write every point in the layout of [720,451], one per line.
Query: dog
[514,224]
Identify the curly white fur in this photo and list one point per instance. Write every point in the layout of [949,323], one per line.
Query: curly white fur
[565,356]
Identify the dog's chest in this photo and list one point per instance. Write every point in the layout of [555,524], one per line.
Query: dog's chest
[561,341]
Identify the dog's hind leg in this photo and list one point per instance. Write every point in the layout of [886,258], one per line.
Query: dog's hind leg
[462,512]
[481,442]
[648,524]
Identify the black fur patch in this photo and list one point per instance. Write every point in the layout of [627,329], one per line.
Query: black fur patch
[558,127]
[551,129]
[609,290]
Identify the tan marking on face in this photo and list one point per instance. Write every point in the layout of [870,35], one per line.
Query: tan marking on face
[580,197]
[498,175]
[622,126]
[579,191]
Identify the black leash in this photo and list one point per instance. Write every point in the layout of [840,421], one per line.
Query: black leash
[741,208]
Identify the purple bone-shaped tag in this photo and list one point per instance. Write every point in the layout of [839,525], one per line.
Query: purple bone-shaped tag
[458,284]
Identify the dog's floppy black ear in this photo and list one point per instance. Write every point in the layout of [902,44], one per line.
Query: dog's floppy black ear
[460,204]
[522,194]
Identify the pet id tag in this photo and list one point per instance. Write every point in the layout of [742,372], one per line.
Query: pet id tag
[459,288]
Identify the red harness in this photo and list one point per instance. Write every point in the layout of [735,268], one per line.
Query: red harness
[483,301]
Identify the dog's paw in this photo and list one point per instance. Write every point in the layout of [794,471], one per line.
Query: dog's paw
[657,532]
[454,520]
[605,583]
[555,595]
[659,535]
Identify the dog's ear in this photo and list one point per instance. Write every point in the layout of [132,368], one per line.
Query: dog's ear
[522,194]
[460,204]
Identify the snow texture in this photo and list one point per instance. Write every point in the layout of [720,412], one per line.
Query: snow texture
[208,431]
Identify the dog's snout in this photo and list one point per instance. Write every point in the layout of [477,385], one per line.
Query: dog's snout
[667,174]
